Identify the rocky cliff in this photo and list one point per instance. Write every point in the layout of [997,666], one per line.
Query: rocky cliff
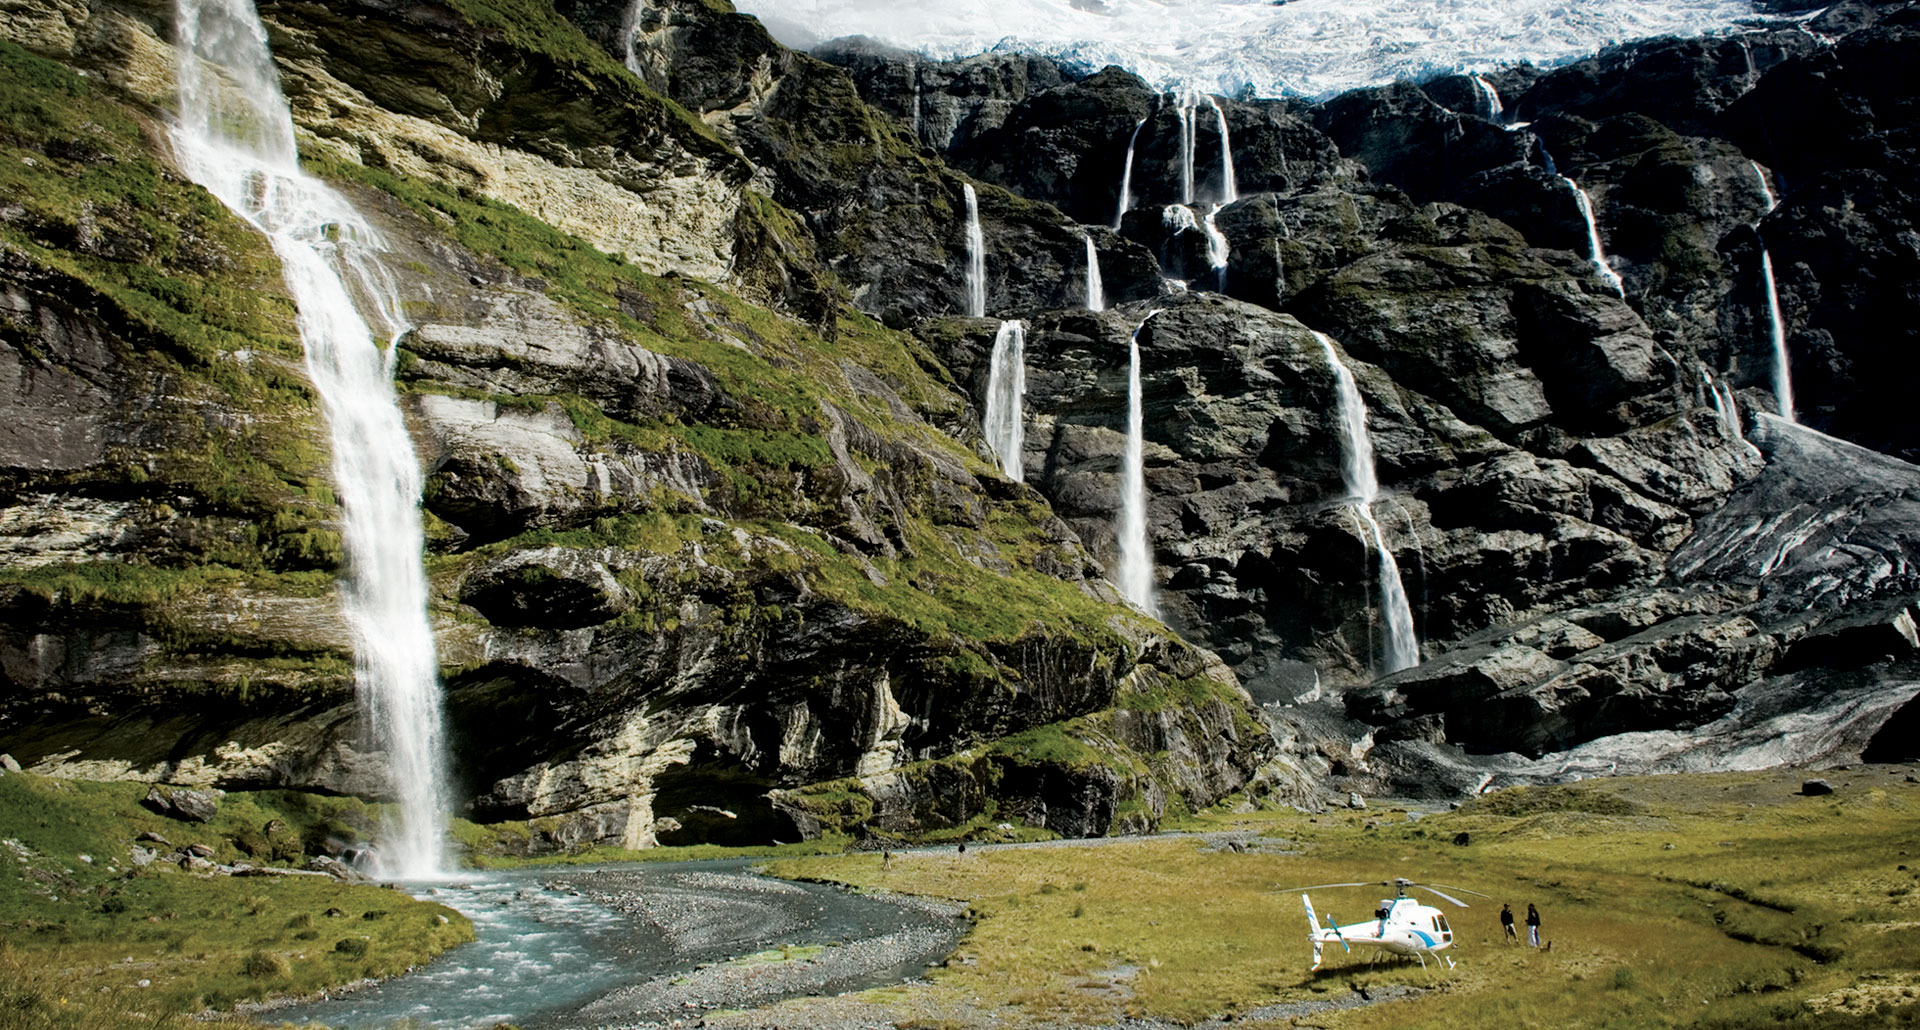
[717,550]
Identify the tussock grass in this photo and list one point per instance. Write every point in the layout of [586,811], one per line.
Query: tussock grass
[1698,901]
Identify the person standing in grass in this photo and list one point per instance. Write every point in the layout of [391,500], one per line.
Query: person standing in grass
[1506,922]
[1533,925]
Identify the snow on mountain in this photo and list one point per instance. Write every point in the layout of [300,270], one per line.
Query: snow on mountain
[1307,48]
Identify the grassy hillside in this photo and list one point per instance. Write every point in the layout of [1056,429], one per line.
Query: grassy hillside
[1687,901]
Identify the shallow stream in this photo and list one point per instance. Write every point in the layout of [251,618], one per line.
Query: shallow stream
[614,945]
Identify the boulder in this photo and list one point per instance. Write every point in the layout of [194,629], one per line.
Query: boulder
[192,806]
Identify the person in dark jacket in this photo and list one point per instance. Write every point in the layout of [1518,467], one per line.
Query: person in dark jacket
[1533,925]
[1506,922]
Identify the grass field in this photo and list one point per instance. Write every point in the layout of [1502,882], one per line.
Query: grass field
[1697,901]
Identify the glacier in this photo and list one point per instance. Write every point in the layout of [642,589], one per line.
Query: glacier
[1305,48]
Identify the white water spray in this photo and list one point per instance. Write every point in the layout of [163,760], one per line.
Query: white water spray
[1096,290]
[1136,557]
[235,137]
[1765,190]
[1004,425]
[1217,249]
[1402,649]
[1595,252]
[976,257]
[1126,176]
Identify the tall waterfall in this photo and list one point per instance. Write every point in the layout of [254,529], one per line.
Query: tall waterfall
[1776,326]
[1004,425]
[1595,252]
[1188,141]
[1490,107]
[1402,649]
[1136,556]
[1126,175]
[1096,290]
[235,137]
[976,257]
[1777,334]
[1229,183]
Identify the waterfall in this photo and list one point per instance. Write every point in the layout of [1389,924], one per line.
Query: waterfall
[1490,107]
[1594,251]
[1229,183]
[1136,556]
[235,137]
[1776,326]
[1096,291]
[1777,333]
[1217,249]
[1003,425]
[1126,176]
[1362,485]
[915,66]
[1279,274]
[1765,190]
[976,257]
[1184,111]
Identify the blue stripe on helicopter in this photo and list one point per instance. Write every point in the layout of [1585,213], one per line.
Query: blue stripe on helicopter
[1428,941]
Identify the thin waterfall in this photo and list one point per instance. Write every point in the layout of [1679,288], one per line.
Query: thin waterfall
[1229,183]
[1595,252]
[1777,334]
[914,66]
[1126,175]
[1136,556]
[1776,325]
[1765,190]
[976,257]
[1004,425]
[1096,290]
[235,137]
[1402,647]
[1490,107]
[1184,111]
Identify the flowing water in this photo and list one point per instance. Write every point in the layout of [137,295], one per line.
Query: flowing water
[235,137]
[571,948]
[1217,249]
[1229,183]
[1126,175]
[1188,140]
[1595,252]
[976,257]
[1777,336]
[1136,554]
[1096,290]
[1003,423]
[1490,107]
[1402,647]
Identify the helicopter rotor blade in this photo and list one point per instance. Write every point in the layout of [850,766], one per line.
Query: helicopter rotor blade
[1318,886]
[1462,890]
[1443,894]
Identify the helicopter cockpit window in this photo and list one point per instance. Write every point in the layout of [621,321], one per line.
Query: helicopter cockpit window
[1440,924]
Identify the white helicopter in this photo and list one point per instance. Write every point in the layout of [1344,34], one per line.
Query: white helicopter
[1401,925]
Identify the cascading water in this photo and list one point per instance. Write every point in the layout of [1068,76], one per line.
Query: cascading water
[1595,252]
[1402,650]
[1096,290]
[1490,107]
[1004,425]
[1188,140]
[1136,557]
[1217,249]
[235,137]
[1229,183]
[976,257]
[1777,335]
[1776,325]
[1126,176]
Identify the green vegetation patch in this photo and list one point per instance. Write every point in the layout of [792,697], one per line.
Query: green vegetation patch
[93,938]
